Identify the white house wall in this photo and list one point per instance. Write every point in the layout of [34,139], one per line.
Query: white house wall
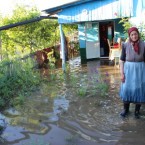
[139,13]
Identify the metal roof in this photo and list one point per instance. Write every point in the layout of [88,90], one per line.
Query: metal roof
[67,5]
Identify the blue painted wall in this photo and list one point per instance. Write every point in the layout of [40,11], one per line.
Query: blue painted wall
[82,39]
[82,42]
[97,10]
[118,30]
[92,32]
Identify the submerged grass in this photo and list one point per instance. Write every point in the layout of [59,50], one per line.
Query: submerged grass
[19,80]
[90,83]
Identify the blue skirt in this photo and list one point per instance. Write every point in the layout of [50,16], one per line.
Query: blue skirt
[133,89]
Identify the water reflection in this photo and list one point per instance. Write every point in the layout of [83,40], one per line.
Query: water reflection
[69,119]
[60,106]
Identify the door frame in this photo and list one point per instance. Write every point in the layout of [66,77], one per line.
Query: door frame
[106,29]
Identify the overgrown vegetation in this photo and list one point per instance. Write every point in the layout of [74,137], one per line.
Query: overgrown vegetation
[17,81]
[17,76]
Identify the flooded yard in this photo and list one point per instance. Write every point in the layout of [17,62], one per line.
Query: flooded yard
[69,119]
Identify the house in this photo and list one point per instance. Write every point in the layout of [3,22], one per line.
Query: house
[97,20]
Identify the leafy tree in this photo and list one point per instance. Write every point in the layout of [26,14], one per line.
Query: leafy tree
[27,38]
[127,24]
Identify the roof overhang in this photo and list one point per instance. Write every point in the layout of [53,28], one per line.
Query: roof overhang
[57,9]
[26,22]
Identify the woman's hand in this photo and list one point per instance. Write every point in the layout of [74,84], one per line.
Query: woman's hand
[123,78]
[122,71]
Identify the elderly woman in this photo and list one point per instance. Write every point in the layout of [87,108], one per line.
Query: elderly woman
[132,68]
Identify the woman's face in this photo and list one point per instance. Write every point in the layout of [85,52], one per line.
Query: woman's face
[134,36]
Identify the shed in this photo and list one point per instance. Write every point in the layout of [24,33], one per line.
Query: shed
[97,20]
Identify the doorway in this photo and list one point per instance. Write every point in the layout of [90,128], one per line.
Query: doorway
[106,32]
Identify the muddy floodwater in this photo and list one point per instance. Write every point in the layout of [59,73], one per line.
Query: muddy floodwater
[68,119]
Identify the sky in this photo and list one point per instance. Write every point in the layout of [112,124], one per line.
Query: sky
[7,6]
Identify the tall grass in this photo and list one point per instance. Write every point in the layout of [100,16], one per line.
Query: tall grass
[17,80]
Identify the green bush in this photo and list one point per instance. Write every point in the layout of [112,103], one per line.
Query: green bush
[17,80]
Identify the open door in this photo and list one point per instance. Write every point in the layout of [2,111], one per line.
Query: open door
[92,40]
[106,32]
